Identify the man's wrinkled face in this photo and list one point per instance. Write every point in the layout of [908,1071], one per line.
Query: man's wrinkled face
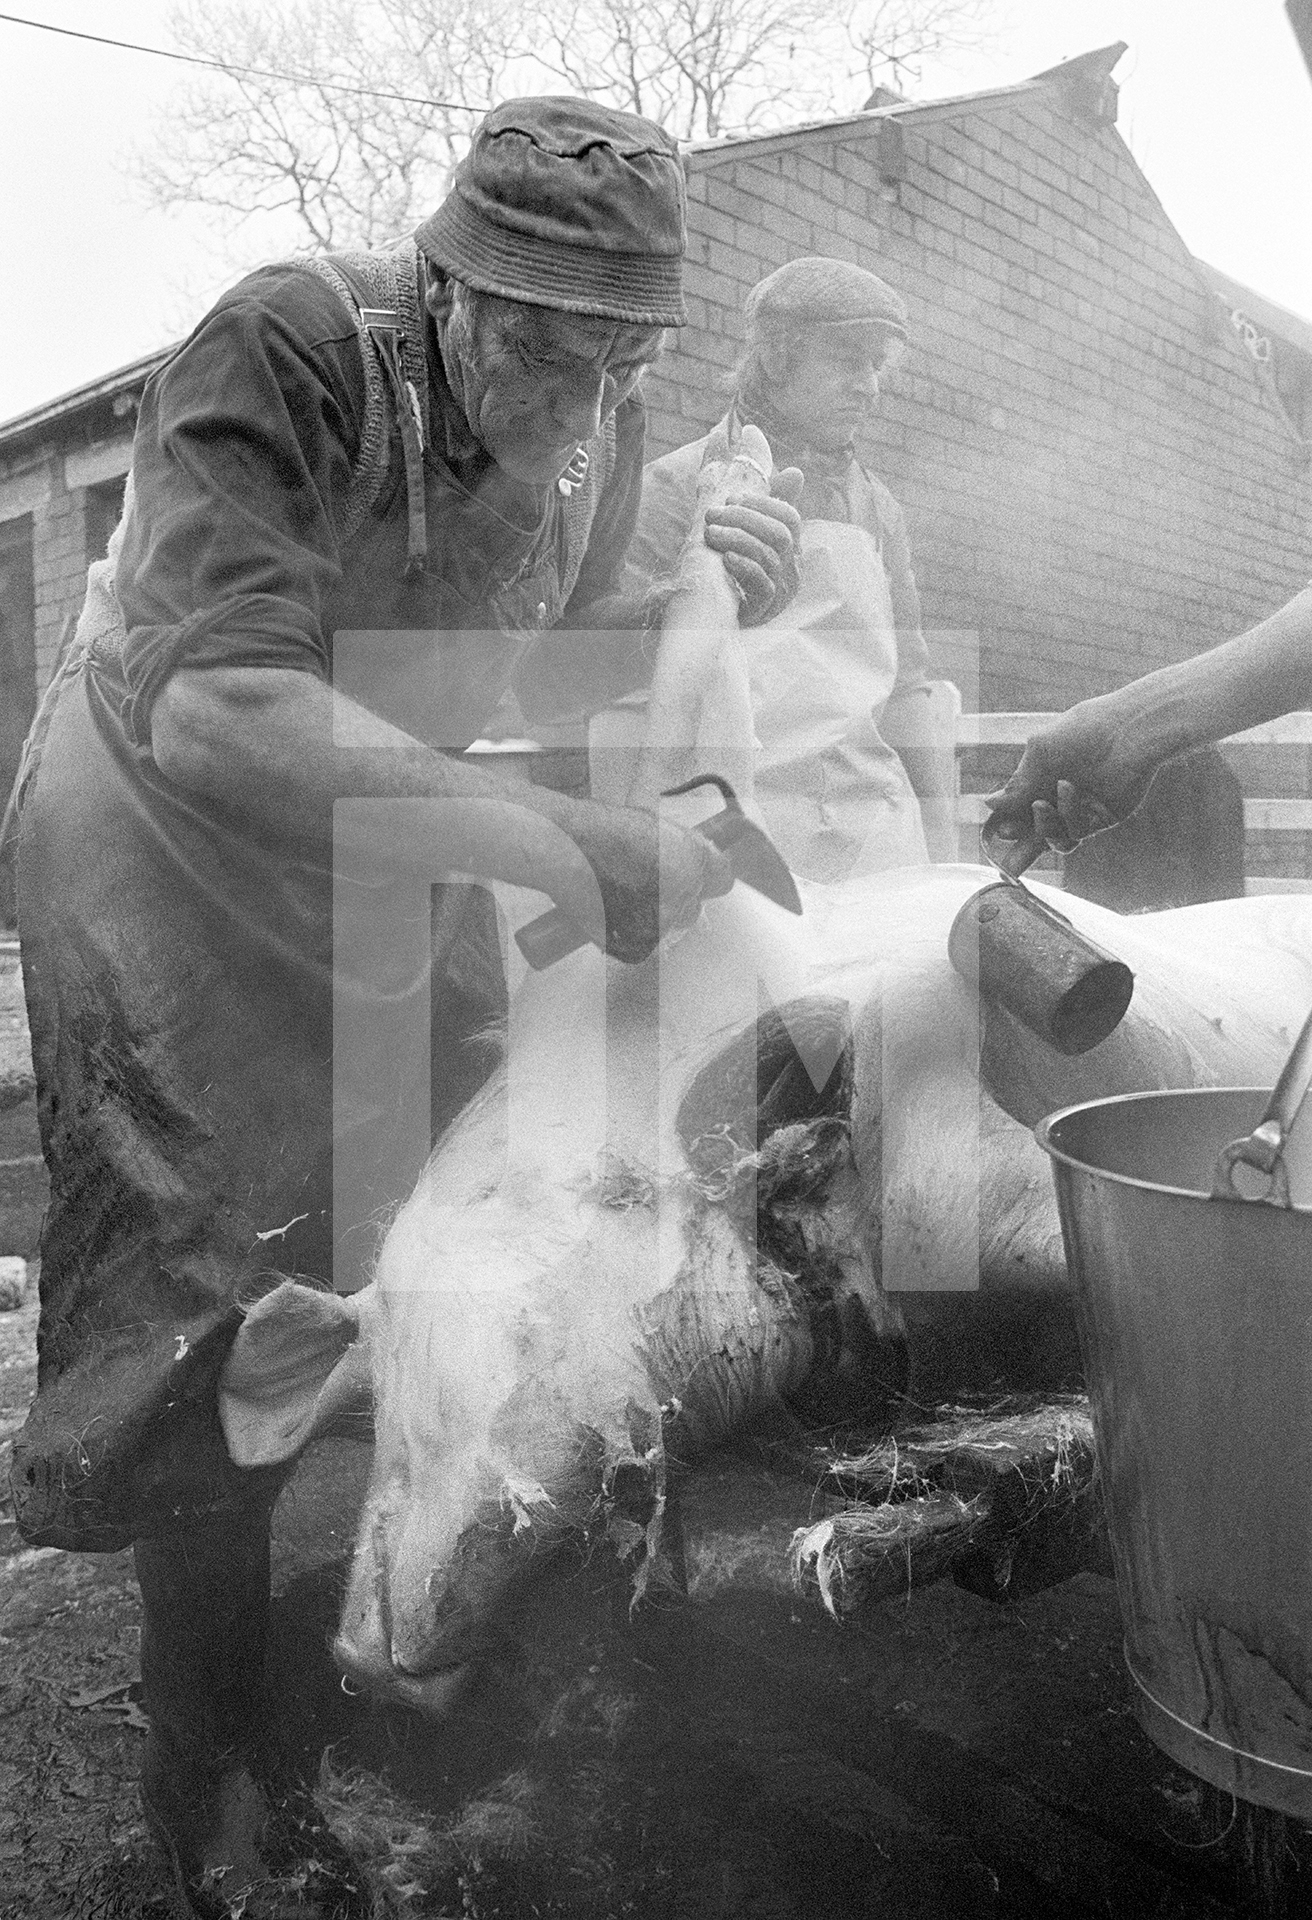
[831,387]
[535,383]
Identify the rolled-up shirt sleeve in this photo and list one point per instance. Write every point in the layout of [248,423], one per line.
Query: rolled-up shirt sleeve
[244,447]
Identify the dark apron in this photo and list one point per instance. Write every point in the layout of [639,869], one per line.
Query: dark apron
[182,983]
[186,1106]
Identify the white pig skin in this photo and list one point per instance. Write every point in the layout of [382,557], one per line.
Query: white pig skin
[573,1294]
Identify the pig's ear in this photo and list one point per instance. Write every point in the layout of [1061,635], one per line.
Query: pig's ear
[299,1357]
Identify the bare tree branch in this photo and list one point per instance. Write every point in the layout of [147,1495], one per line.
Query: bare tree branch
[353,169]
[891,38]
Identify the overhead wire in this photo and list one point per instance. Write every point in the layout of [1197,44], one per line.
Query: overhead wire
[235,67]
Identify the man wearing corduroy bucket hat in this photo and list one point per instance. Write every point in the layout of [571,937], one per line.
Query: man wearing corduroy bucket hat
[362,490]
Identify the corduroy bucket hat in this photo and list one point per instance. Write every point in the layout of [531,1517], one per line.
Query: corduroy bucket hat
[564,203]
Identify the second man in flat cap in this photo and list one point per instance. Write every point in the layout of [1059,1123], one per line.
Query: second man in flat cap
[851,775]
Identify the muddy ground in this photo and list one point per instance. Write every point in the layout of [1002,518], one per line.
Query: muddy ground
[936,1757]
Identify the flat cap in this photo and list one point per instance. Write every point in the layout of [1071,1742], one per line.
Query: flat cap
[564,203]
[818,291]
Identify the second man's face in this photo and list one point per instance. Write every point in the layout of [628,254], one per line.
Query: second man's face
[535,383]
[832,388]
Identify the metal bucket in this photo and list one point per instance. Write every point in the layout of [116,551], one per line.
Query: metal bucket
[1196,1329]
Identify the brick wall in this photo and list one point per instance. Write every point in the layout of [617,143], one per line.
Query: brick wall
[59,565]
[70,499]
[1095,478]
[24,493]
[56,506]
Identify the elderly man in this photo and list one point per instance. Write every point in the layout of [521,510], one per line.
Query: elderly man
[839,676]
[358,491]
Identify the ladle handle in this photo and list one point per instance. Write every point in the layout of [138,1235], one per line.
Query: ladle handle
[1291,1089]
[1011,844]
[1264,1147]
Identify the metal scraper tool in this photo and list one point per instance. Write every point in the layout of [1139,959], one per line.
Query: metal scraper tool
[751,853]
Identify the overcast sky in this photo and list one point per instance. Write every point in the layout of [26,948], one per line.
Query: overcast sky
[1215,105]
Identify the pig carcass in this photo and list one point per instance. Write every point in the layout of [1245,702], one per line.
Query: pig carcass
[782,1170]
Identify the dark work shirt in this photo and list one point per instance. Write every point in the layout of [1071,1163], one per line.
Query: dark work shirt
[185,967]
[241,467]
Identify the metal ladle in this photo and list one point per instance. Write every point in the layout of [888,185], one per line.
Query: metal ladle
[1264,1148]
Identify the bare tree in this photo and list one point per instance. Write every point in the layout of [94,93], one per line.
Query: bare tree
[700,67]
[892,38]
[704,68]
[351,164]
[356,144]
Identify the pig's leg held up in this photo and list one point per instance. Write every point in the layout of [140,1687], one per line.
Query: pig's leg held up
[213,1785]
[699,713]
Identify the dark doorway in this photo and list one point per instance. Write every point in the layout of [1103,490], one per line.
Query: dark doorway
[104,504]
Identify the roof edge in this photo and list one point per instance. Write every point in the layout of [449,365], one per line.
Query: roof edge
[133,374]
[1085,67]
[1095,65]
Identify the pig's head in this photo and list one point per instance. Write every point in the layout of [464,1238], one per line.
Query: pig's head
[554,1327]
[549,1328]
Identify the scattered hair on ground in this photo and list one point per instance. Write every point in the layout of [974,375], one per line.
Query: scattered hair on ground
[406,1856]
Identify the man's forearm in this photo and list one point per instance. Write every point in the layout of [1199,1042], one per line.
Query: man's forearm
[1242,683]
[280,748]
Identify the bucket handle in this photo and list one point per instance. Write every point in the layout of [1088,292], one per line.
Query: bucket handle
[1264,1148]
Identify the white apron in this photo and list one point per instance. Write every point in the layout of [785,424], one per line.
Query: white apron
[833,794]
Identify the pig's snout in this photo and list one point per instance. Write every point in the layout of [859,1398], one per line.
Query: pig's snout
[432,1694]
[414,1616]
